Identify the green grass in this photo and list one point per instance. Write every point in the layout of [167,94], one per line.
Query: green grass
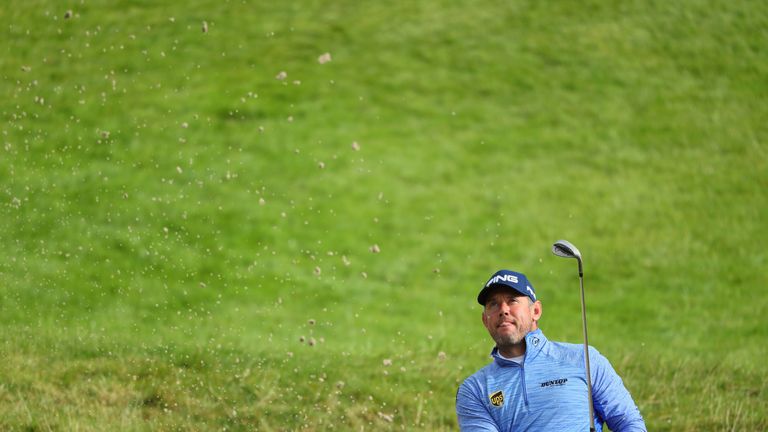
[167,204]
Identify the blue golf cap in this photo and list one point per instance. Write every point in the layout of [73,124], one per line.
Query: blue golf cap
[510,279]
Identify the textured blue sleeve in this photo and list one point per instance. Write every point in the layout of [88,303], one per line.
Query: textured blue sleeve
[471,412]
[612,401]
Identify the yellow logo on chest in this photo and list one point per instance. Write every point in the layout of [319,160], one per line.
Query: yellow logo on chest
[497,398]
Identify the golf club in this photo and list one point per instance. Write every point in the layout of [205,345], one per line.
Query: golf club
[565,249]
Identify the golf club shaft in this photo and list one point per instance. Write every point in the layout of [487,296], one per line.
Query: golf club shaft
[586,352]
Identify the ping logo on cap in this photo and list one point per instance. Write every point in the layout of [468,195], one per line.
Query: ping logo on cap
[502,278]
[497,398]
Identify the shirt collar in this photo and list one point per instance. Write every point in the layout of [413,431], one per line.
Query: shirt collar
[534,341]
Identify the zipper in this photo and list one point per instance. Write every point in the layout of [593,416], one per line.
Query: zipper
[525,389]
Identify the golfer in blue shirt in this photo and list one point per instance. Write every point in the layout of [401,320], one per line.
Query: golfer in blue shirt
[534,384]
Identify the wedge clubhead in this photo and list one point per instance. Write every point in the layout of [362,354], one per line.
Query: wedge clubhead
[566,249]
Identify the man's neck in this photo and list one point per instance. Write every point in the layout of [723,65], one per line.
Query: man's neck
[512,351]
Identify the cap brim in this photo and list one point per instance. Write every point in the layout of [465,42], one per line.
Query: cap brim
[482,297]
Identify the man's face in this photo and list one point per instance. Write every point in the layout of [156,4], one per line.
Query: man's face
[509,316]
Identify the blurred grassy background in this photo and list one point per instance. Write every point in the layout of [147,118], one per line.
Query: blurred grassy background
[189,217]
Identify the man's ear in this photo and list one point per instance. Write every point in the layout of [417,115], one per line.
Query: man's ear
[536,310]
[485,318]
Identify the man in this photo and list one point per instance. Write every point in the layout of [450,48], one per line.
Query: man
[535,384]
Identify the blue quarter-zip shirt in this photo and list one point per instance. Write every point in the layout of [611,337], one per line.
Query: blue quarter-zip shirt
[547,392]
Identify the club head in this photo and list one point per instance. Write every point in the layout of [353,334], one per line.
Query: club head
[564,248]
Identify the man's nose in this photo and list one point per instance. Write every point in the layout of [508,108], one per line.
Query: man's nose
[504,308]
